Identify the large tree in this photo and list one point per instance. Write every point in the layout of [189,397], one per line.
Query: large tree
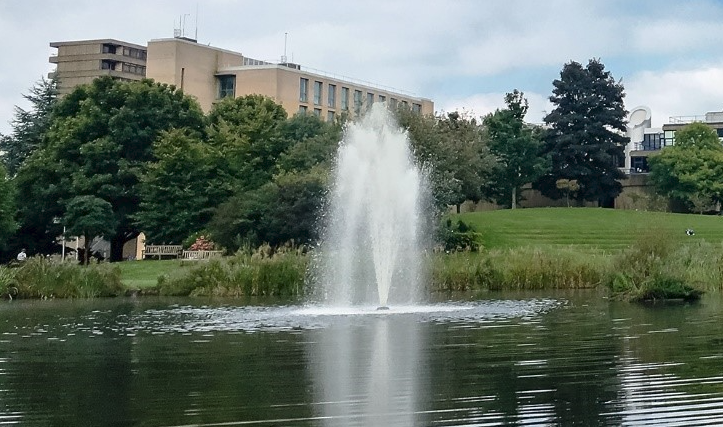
[99,143]
[29,126]
[452,149]
[691,171]
[586,134]
[517,148]
[90,217]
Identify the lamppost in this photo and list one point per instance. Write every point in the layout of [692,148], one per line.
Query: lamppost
[56,220]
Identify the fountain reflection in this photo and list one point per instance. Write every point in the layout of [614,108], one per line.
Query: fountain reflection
[366,370]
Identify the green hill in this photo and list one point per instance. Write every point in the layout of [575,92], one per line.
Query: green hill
[589,229]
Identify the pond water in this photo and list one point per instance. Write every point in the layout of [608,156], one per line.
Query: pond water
[524,359]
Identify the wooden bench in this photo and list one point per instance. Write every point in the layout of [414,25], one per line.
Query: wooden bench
[161,251]
[200,255]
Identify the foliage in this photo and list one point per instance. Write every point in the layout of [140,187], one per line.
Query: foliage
[40,277]
[691,171]
[248,131]
[517,148]
[312,143]
[586,134]
[259,274]
[567,186]
[202,243]
[452,149]
[29,126]
[8,225]
[282,210]
[100,140]
[91,217]
[458,237]
[648,271]
[180,189]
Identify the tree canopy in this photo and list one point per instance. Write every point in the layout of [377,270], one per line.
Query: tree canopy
[586,134]
[691,171]
[91,217]
[516,147]
[99,143]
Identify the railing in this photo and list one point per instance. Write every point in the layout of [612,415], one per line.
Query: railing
[200,255]
[162,250]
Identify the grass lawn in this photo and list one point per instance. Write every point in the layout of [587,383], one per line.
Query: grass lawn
[144,274]
[587,229]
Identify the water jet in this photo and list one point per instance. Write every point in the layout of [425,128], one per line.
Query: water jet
[373,224]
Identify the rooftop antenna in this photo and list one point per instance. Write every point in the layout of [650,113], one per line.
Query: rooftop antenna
[283,57]
[195,36]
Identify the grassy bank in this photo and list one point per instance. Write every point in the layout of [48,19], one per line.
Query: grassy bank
[637,255]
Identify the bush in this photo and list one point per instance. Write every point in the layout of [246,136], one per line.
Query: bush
[458,237]
[40,277]
[263,273]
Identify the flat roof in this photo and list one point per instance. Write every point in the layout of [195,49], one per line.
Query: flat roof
[97,41]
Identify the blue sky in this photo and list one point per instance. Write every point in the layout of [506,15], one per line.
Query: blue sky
[463,54]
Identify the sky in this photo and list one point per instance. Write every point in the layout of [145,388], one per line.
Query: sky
[464,55]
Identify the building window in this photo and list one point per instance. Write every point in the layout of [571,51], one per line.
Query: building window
[382,98]
[370,100]
[317,112]
[405,104]
[302,109]
[393,103]
[304,90]
[226,86]
[345,98]
[317,93]
[109,48]
[106,64]
[357,101]
[331,96]
[417,108]
[330,116]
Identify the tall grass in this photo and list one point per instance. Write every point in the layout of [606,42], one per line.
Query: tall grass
[38,277]
[524,268]
[263,273]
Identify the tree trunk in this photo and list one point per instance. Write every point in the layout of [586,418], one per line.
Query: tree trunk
[86,246]
[116,247]
[514,197]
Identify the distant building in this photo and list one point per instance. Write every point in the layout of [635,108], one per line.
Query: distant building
[79,62]
[210,74]
[646,140]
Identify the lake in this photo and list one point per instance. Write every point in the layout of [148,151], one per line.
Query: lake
[563,358]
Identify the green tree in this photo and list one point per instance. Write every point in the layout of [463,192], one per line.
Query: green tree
[99,143]
[29,126]
[586,133]
[452,150]
[516,146]
[90,217]
[691,171]
[180,189]
[248,130]
[8,225]
[310,142]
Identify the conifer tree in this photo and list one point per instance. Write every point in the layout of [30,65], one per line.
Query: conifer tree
[586,134]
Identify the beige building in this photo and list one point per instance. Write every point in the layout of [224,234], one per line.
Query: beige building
[79,62]
[210,74]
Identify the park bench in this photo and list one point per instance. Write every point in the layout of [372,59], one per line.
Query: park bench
[162,251]
[200,255]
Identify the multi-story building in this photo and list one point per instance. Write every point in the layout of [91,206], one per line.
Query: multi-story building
[646,140]
[210,74]
[79,62]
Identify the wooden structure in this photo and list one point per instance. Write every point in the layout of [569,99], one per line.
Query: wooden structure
[162,251]
[200,255]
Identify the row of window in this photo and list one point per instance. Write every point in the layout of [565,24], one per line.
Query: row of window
[358,97]
[125,51]
[107,64]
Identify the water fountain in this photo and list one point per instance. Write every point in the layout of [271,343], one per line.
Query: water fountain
[371,250]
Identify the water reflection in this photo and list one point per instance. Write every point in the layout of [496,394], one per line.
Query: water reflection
[366,371]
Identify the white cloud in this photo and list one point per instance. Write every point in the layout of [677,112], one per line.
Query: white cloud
[684,92]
